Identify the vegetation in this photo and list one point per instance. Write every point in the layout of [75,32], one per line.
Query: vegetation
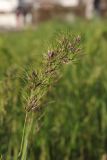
[73,125]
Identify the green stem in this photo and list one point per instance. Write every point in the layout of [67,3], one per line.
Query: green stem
[26,132]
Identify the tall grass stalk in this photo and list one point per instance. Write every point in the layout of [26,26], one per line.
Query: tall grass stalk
[39,83]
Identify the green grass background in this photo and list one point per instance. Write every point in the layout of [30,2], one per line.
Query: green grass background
[75,123]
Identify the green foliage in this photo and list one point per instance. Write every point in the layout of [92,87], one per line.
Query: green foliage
[74,124]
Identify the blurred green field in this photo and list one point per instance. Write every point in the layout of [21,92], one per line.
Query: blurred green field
[75,123]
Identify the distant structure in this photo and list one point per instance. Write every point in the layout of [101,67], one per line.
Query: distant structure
[8,5]
[103,7]
[14,13]
[47,9]
[63,9]
[18,13]
[7,16]
[95,7]
[24,10]
[68,3]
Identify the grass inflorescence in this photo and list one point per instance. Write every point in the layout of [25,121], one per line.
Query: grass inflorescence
[39,82]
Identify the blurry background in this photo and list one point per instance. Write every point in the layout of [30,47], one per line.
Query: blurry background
[18,13]
[75,123]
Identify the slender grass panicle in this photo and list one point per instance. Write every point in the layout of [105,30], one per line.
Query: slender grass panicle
[39,82]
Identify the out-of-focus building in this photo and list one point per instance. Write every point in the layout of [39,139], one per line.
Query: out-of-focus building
[95,7]
[47,9]
[63,9]
[7,16]
[24,10]
[103,7]
[18,13]
[14,13]
[8,5]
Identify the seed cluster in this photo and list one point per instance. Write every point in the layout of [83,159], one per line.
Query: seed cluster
[39,82]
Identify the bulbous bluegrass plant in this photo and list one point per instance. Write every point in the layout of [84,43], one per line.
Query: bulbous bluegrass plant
[66,50]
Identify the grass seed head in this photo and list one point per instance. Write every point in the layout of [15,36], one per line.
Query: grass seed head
[39,83]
